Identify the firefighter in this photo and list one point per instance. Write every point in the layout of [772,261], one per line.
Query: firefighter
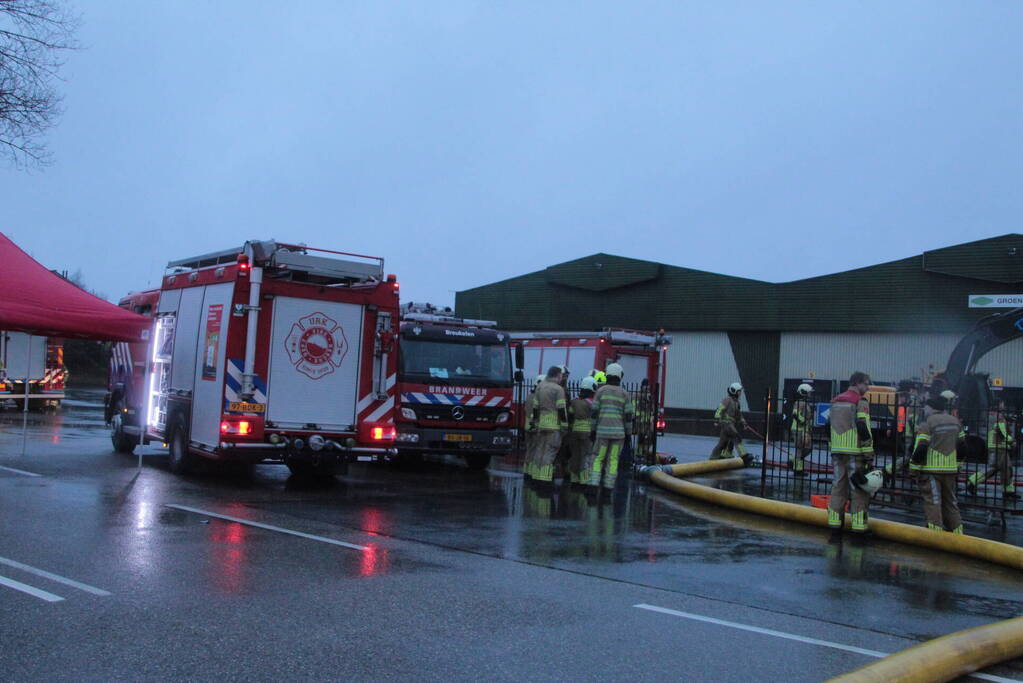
[934,456]
[530,407]
[612,419]
[580,424]
[729,421]
[802,426]
[1001,439]
[851,444]
[551,424]
[563,454]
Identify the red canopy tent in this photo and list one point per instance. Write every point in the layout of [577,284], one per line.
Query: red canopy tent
[34,300]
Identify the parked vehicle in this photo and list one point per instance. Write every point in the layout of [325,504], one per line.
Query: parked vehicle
[266,352]
[37,361]
[455,386]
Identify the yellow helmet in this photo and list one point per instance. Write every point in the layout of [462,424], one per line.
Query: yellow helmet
[599,376]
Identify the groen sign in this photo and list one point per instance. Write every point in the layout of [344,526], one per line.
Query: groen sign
[995,300]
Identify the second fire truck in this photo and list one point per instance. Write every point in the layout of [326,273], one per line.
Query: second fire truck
[266,352]
[455,385]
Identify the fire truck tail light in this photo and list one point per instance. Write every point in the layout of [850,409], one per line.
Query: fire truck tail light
[246,427]
[383,433]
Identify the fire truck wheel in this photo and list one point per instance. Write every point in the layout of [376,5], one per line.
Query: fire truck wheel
[123,443]
[181,460]
[477,461]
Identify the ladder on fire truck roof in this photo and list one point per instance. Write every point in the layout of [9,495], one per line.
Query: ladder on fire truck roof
[293,258]
[614,336]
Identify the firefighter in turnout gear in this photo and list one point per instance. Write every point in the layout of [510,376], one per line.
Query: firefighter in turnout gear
[912,416]
[1001,440]
[580,424]
[531,409]
[612,418]
[802,426]
[934,457]
[552,422]
[730,421]
[851,444]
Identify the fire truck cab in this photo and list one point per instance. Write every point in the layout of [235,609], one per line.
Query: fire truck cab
[455,384]
[268,352]
[31,369]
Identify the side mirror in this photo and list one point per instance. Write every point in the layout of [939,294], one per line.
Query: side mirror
[519,377]
[520,357]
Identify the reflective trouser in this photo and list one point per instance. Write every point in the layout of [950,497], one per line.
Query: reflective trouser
[801,443]
[580,446]
[548,441]
[605,460]
[728,439]
[842,491]
[529,461]
[940,504]
[997,463]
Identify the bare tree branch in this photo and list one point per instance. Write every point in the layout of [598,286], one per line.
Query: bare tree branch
[34,35]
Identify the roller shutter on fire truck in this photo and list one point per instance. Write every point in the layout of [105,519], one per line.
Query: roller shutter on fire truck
[314,364]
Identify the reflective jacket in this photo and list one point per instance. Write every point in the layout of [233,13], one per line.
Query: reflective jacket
[940,432]
[550,399]
[580,415]
[612,412]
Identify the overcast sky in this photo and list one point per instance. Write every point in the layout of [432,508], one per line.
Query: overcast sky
[468,142]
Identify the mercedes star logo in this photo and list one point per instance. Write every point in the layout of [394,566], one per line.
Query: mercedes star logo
[458,412]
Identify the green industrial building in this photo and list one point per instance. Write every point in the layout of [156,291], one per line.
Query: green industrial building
[895,320]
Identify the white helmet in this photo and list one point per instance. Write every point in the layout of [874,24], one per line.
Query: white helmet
[948,395]
[874,480]
[540,378]
[734,389]
[804,390]
[588,383]
[615,370]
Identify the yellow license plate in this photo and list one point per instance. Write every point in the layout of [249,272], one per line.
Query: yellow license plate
[243,407]
[458,437]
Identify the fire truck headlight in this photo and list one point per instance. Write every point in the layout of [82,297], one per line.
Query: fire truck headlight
[502,418]
[317,442]
[408,413]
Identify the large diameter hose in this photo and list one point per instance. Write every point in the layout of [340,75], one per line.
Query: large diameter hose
[945,658]
[981,548]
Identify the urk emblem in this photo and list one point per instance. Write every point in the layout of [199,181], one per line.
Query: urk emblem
[316,345]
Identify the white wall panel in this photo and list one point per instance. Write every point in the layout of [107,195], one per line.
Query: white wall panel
[886,357]
[700,368]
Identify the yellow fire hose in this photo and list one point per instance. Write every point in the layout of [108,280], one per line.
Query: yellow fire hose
[942,659]
[667,477]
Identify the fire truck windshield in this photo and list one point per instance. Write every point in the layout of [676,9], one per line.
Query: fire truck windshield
[442,362]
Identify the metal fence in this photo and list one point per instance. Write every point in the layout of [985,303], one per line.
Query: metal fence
[641,448]
[988,476]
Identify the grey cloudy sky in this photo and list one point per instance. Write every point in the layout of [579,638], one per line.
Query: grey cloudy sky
[468,142]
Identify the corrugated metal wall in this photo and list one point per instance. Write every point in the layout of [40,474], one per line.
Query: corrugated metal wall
[887,357]
[700,368]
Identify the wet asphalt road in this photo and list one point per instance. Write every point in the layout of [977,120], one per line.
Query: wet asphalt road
[448,574]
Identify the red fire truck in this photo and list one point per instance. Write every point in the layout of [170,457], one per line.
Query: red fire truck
[37,360]
[267,352]
[641,354]
[455,385]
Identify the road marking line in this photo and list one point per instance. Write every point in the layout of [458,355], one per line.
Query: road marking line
[25,588]
[54,577]
[258,525]
[792,636]
[27,474]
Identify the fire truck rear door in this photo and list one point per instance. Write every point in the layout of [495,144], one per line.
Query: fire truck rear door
[208,397]
[636,367]
[315,355]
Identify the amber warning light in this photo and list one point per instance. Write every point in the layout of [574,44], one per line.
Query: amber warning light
[243,264]
[383,433]
[241,428]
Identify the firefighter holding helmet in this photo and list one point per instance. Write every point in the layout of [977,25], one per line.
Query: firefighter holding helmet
[851,445]
[729,420]
[613,414]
